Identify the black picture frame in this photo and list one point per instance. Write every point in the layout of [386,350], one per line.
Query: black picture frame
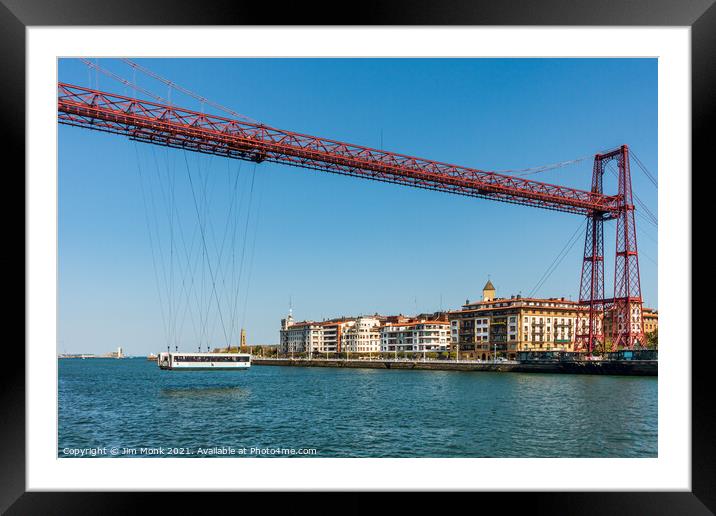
[16,15]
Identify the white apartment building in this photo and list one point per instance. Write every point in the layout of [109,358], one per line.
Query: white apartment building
[415,336]
[313,337]
[363,336]
[332,335]
[299,337]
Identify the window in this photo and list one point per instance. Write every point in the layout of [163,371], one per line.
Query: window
[204,358]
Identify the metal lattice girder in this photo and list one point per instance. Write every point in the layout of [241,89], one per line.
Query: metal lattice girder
[175,127]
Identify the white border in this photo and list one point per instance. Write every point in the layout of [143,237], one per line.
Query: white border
[672,468]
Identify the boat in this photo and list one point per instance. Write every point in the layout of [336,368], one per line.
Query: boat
[204,361]
[152,357]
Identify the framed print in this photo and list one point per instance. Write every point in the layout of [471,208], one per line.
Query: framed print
[421,253]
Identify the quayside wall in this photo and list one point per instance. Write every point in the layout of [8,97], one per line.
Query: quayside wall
[609,367]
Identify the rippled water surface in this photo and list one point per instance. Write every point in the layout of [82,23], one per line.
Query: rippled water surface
[132,404]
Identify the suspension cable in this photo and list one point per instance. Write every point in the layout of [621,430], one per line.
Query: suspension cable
[645,170]
[151,246]
[542,168]
[203,239]
[196,96]
[222,276]
[251,258]
[552,166]
[243,246]
[650,217]
[558,259]
[117,78]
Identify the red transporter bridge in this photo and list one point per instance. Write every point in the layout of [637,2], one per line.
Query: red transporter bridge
[171,126]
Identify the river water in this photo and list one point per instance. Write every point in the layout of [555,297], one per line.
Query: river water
[133,407]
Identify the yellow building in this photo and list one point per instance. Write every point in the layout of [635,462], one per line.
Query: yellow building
[507,325]
[649,318]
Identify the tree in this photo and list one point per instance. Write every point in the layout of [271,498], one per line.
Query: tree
[652,339]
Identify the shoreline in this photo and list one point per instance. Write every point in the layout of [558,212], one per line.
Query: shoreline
[603,367]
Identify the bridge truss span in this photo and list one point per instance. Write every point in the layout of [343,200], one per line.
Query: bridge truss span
[176,127]
[172,126]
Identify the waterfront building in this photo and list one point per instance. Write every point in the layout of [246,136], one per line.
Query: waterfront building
[417,336]
[649,319]
[332,335]
[506,326]
[650,316]
[296,337]
[481,329]
[312,336]
[363,336]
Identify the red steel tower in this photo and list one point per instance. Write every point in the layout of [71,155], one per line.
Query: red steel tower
[624,310]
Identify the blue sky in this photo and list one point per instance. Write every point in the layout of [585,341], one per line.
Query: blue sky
[332,245]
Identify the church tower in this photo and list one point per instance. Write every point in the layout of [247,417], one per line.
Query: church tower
[488,291]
